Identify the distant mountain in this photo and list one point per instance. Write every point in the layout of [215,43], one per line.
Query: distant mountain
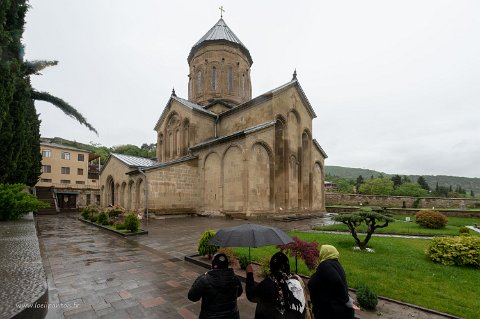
[467,183]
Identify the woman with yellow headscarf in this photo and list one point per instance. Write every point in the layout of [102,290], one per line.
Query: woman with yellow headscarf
[328,287]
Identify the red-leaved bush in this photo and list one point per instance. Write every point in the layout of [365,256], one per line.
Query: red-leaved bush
[308,251]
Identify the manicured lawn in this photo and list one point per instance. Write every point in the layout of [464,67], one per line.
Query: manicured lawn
[399,269]
[411,228]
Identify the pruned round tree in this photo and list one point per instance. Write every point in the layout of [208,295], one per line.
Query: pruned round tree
[373,219]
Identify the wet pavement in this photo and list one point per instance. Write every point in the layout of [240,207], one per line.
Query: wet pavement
[23,279]
[95,274]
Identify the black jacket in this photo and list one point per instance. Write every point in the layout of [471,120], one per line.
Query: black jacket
[329,292]
[218,289]
[264,294]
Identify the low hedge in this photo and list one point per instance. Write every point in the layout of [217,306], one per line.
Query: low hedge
[456,250]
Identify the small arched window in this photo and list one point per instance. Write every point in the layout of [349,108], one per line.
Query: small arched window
[214,79]
[243,85]
[230,79]
[177,141]
[199,82]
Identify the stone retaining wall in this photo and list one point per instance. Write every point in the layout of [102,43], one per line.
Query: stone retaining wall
[23,277]
[400,201]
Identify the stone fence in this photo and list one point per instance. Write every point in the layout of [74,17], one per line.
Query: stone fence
[400,201]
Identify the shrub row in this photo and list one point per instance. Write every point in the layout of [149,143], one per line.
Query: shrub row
[108,217]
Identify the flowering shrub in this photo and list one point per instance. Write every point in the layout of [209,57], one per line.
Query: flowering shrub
[431,219]
[456,250]
[308,251]
[115,212]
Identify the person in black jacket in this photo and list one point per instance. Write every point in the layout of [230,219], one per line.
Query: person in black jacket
[274,298]
[328,288]
[219,289]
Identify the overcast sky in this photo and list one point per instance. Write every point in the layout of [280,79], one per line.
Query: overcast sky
[395,84]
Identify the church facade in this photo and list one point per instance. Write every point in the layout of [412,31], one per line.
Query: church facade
[221,150]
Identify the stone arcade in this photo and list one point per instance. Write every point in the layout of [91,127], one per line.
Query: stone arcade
[222,151]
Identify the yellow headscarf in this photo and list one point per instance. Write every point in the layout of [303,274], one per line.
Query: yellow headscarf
[328,252]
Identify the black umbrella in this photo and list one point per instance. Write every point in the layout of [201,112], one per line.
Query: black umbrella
[249,235]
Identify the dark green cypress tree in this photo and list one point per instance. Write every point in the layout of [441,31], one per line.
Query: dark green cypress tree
[423,183]
[397,180]
[19,124]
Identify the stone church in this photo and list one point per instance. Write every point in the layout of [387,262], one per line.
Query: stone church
[221,150]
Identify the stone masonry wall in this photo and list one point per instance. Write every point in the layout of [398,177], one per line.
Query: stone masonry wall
[399,201]
[174,189]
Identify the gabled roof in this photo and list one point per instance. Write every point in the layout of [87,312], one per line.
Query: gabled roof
[233,135]
[192,106]
[268,95]
[131,161]
[319,148]
[220,101]
[182,159]
[220,32]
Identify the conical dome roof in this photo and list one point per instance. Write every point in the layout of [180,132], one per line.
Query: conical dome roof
[220,32]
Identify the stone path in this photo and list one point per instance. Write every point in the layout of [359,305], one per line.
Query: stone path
[94,274]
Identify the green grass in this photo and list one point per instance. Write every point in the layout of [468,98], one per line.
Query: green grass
[399,269]
[411,228]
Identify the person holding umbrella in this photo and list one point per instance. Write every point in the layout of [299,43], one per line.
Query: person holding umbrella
[278,296]
[219,289]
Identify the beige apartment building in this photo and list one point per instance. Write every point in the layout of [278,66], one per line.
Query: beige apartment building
[222,151]
[69,178]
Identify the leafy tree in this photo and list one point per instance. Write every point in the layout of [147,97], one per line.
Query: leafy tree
[472,194]
[377,186]
[103,152]
[372,219]
[397,180]
[342,185]
[410,189]
[359,182]
[441,191]
[146,150]
[405,179]
[423,183]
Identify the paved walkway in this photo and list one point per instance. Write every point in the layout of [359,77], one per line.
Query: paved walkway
[95,274]
[23,281]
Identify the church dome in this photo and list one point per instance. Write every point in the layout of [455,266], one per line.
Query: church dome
[219,68]
[219,33]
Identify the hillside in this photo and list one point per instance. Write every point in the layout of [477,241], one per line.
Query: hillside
[467,183]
